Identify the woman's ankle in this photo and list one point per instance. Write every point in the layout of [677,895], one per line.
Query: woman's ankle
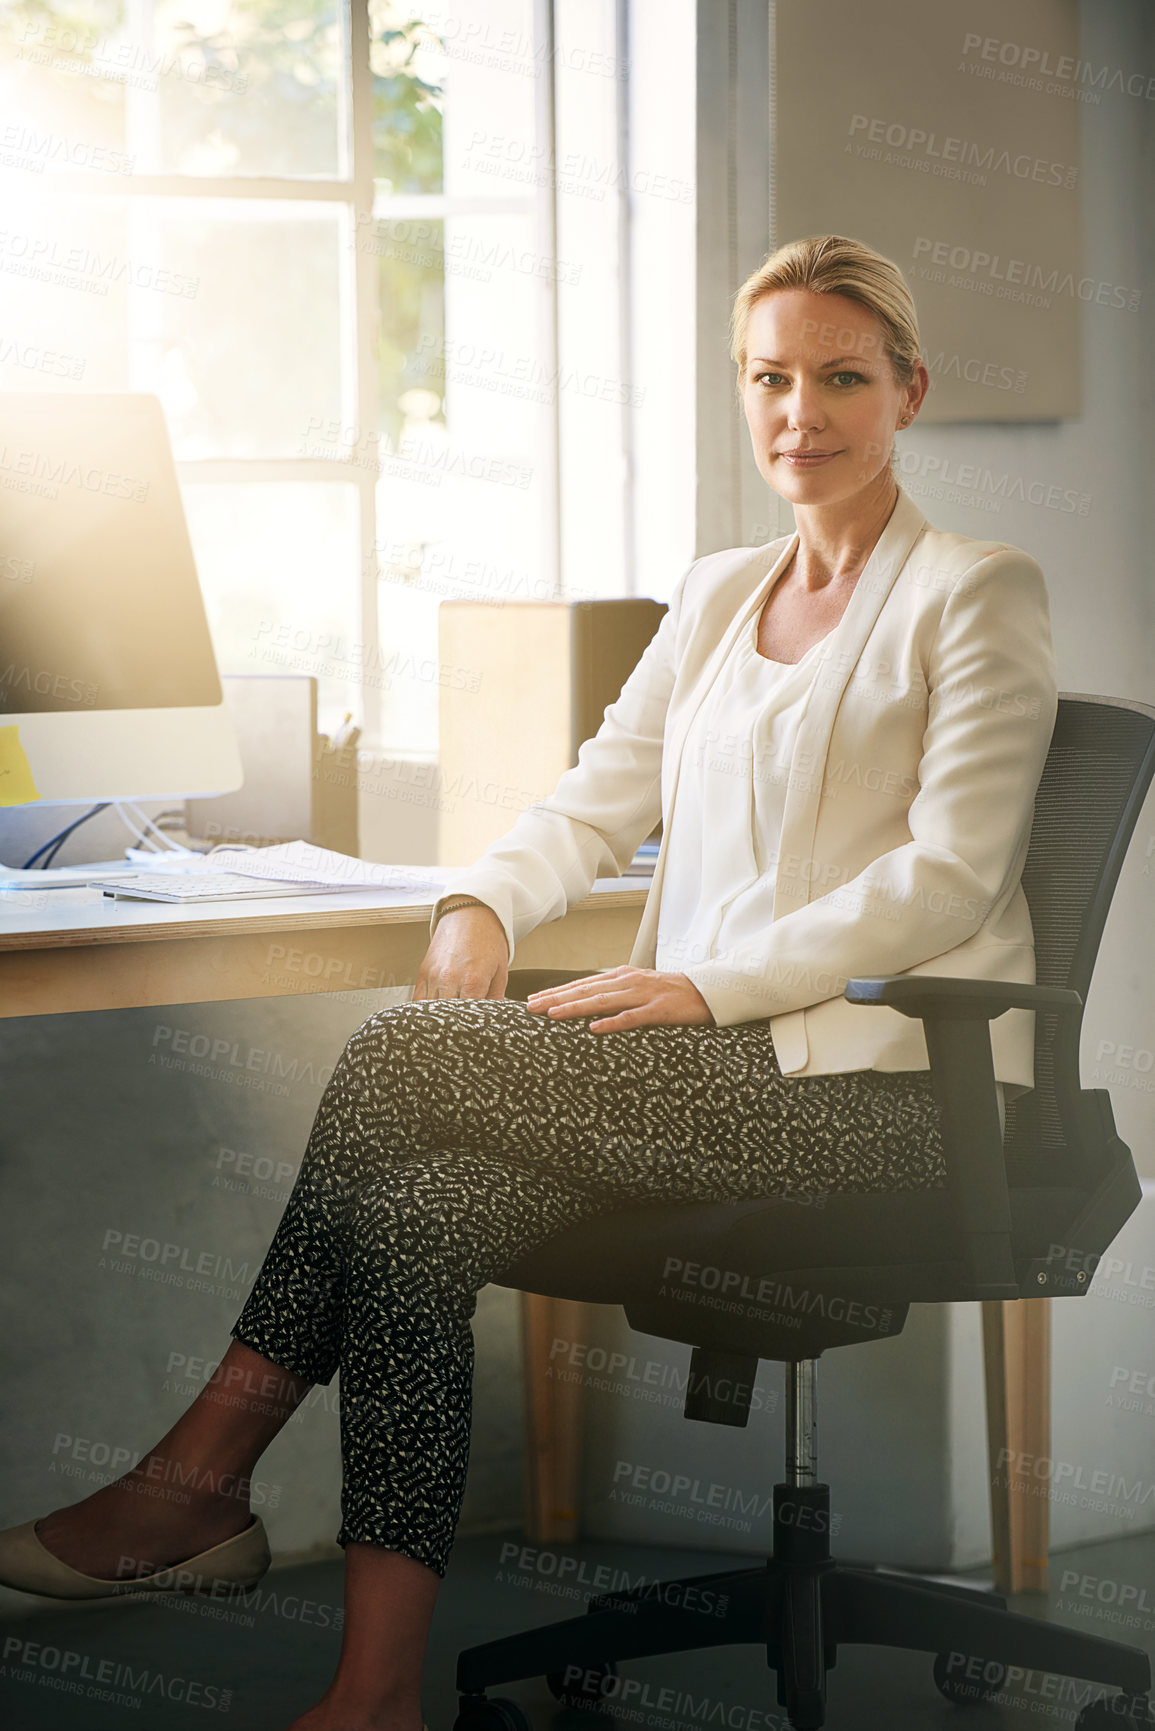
[194,1486]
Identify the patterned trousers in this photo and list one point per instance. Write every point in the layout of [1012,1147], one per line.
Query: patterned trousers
[457,1134]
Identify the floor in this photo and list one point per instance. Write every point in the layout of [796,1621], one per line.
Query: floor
[260,1662]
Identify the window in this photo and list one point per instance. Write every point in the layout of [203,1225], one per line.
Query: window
[396,350]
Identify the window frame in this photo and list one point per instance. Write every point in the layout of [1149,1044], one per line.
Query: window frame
[355,194]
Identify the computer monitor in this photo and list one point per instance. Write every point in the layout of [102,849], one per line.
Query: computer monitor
[107,671]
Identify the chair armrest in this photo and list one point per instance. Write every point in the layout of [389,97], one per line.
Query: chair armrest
[953,1014]
[924,996]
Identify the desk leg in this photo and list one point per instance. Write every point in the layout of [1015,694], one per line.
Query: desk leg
[553,1418]
[1017,1360]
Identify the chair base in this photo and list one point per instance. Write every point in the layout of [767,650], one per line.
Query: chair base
[801,1606]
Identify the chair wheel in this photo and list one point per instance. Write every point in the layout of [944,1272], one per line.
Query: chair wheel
[965,1681]
[490,1713]
[589,1688]
[1117,1713]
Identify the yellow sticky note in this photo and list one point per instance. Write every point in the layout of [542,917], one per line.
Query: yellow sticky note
[16,784]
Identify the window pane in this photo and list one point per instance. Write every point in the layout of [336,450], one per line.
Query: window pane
[411,299]
[408,68]
[62,87]
[249,87]
[250,360]
[229,310]
[457,500]
[65,279]
[279,568]
[182,86]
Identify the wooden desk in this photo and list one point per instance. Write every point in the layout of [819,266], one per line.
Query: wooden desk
[68,950]
[80,950]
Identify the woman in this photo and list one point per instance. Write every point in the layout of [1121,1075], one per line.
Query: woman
[843,733]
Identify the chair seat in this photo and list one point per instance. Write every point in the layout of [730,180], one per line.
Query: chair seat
[887,1245]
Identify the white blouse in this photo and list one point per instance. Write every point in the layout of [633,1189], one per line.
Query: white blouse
[739,749]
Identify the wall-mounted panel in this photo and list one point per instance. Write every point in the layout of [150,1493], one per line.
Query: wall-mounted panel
[949,140]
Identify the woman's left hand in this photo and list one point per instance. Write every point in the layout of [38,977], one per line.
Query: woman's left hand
[639,996]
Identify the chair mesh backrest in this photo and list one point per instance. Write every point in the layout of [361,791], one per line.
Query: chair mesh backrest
[1096,774]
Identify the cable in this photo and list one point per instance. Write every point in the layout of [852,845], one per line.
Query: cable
[134,829]
[144,828]
[56,842]
[49,858]
[130,815]
[156,825]
[146,824]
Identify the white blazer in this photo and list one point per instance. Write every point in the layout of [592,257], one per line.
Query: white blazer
[907,813]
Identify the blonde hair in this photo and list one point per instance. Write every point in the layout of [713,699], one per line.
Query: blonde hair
[831,264]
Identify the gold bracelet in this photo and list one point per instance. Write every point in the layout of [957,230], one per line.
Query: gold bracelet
[467,902]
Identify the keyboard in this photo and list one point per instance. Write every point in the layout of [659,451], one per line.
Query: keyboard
[156,886]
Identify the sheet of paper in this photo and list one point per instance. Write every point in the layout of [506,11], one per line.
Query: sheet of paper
[16,784]
[302,862]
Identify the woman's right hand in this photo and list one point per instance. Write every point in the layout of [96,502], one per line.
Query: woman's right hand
[468,957]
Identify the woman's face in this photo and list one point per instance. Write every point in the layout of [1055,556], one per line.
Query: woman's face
[821,399]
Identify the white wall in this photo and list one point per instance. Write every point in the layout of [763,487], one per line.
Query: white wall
[1098,566]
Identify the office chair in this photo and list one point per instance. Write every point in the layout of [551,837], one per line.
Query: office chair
[1022,1215]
